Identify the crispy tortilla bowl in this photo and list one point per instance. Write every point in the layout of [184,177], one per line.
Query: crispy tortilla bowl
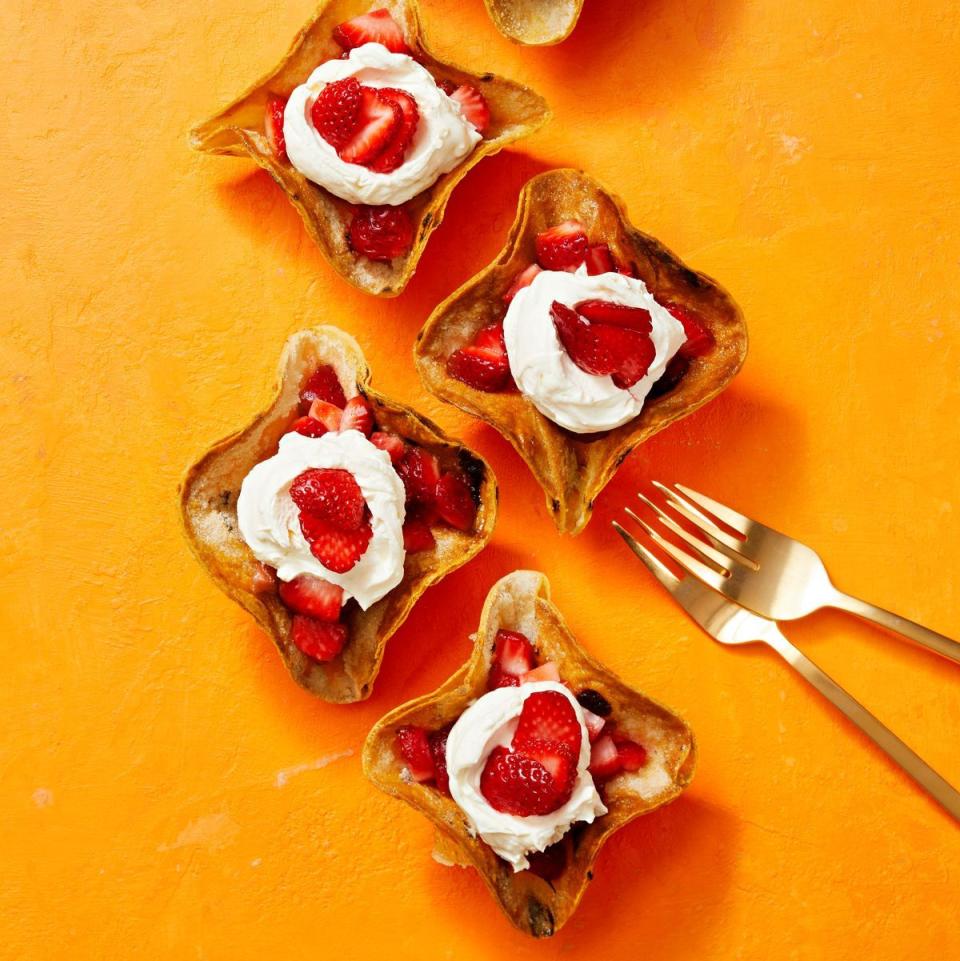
[208,501]
[535,22]
[521,601]
[238,130]
[573,468]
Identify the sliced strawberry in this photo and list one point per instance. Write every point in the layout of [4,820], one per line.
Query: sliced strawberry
[321,640]
[523,279]
[483,364]
[394,152]
[520,785]
[599,260]
[323,384]
[357,416]
[616,315]
[337,550]
[414,745]
[473,106]
[417,536]
[562,246]
[308,427]
[264,579]
[547,671]
[379,120]
[593,723]
[374,27]
[327,414]
[489,341]
[635,350]
[273,125]
[699,339]
[336,112]
[513,653]
[548,716]
[381,232]
[331,495]
[632,756]
[559,760]
[455,502]
[604,758]
[312,596]
[438,748]
[419,470]
[392,444]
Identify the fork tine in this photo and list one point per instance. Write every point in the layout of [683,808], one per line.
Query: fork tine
[729,516]
[659,570]
[692,513]
[720,558]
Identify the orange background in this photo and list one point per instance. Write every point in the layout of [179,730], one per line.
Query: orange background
[168,792]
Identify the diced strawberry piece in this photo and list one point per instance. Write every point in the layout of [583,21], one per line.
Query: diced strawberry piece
[321,640]
[381,233]
[378,121]
[419,470]
[490,341]
[562,246]
[264,579]
[548,716]
[523,786]
[308,427]
[336,112]
[483,364]
[498,677]
[550,863]
[392,444]
[331,495]
[632,756]
[312,596]
[323,384]
[593,722]
[455,502]
[674,373]
[417,536]
[273,125]
[616,315]
[636,352]
[357,416]
[473,106]
[559,760]
[599,260]
[513,653]
[604,758]
[548,671]
[699,339]
[327,414]
[337,550]
[393,154]
[523,279]
[438,748]
[414,745]
[374,27]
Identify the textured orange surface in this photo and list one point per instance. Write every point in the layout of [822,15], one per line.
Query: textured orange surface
[168,792]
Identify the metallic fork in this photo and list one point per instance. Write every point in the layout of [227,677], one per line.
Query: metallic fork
[764,570]
[729,623]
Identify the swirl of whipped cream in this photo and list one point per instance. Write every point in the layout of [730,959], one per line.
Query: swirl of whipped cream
[488,723]
[544,371]
[269,519]
[442,139]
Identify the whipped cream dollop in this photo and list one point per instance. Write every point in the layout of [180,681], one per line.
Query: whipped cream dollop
[270,521]
[488,723]
[442,139]
[544,371]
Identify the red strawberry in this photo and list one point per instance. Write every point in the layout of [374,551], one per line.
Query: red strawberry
[308,427]
[330,495]
[599,260]
[635,350]
[483,364]
[632,755]
[559,760]
[392,444]
[562,246]
[357,416]
[523,279]
[381,233]
[699,339]
[378,121]
[604,758]
[312,596]
[417,536]
[264,579]
[473,106]
[593,723]
[419,470]
[548,716]
[616,315]
[414,747]
[321,640]
[455,502]
[393,154]
[523,786]
[336,112]
[374,27]
[323,384]
[513,653]
[273,125]
[327,414]
[438,748]
[337,550]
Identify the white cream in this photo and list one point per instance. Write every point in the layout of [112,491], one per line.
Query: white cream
[443,137]
[488,723]
[543,370]
[269,519]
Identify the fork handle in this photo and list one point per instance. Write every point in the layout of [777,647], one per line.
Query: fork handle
[894,622]
[888,742]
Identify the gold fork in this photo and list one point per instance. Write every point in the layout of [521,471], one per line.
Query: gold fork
[729,623]
[764,570]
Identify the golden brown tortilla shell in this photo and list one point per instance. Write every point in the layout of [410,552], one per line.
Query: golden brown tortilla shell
[535,22]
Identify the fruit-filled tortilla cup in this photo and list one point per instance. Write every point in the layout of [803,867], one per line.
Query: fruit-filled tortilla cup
[208,500]
[535,22]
